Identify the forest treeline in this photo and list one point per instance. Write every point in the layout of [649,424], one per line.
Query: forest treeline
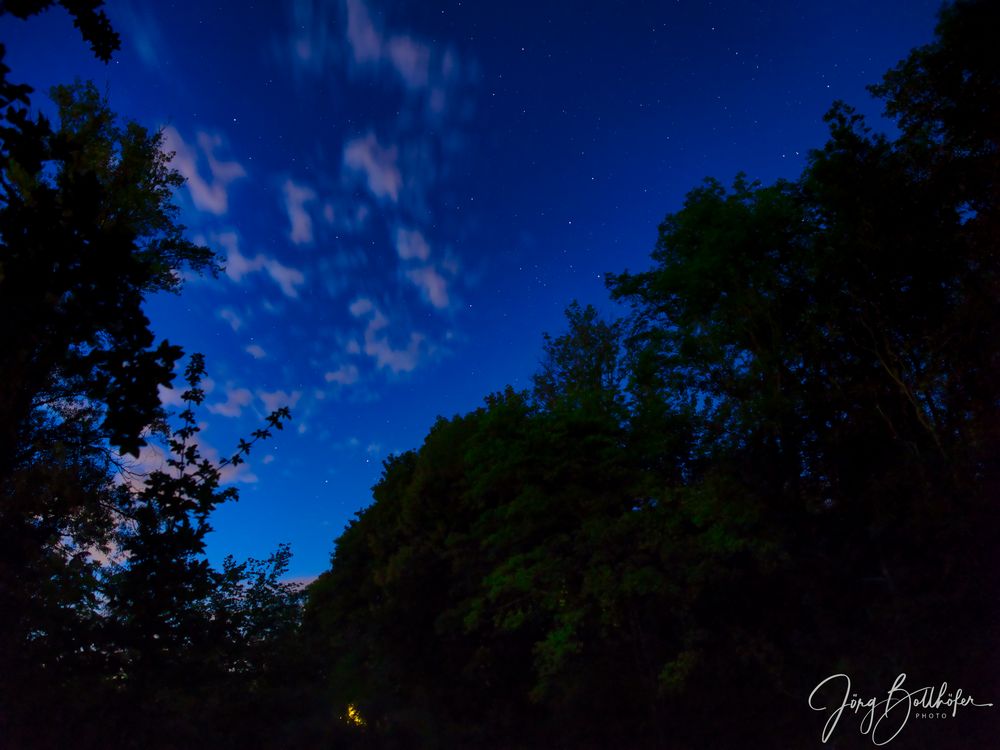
[781,462]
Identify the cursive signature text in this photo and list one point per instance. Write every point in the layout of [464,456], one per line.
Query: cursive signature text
[884,719]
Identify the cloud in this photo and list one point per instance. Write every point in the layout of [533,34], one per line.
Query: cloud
[229,315]
[285,277]
[300,582]
[397,360]
[208,195]
[296,197]
[411,59]
[344,375]
[432,285]
[361,306]
[364,38]
[153,457]
[377,344]
[274,400]
[170,396]
[377,163]
[408,58]
[239,265]
[410,244]
[321,38]
[255,351]
[236,399]
[143,33]
[229,474]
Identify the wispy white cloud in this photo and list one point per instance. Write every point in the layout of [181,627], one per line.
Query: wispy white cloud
[211,195]
[296,198]
[378,164]
[239,474]
[236,399]
[273,400]
[238,265]
[285,277]
[432,285]
[229,315]
[361,306]
[322,40]
[300,582]
[170,396]
[142,31]
[364,38]
[153,457]
[410,244]
[397,360]
[378,345]
[409,58]
[255,351]
[343,375]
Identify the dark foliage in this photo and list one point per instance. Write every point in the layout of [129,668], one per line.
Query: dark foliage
[87,16]
[152,648]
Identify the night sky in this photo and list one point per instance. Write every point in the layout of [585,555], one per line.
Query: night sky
[408,195]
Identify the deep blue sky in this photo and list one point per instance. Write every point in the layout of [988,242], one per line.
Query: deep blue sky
[409,194]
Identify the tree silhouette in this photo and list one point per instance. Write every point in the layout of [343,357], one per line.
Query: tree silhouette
[87,16]
[185,639]
[152,648]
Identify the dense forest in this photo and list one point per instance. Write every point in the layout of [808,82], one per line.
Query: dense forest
[781,462]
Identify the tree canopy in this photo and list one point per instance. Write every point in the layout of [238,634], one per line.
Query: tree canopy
[115,630]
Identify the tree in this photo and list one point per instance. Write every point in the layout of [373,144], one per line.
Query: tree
[183,638]
[87,15]
[490,596]
[837,338]
[87,229]
[153,646]
[165,649]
